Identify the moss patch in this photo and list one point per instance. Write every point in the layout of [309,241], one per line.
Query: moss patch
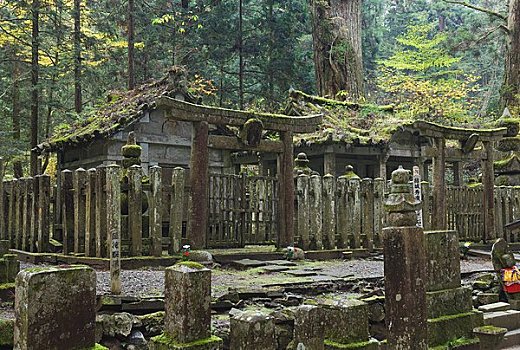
[191,264]
[6,332]
[166,340]
[357,345]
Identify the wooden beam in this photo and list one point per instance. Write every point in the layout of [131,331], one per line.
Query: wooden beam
[488,185]
[233,143]
[181,110]
[198,211]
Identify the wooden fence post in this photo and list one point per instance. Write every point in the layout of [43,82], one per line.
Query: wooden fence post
[34,191]
[90,213]
[367,213]
[379,196]
[156,211]
[26,212]
[67,211]
[342,213]
[302,186]
[316,205]
[10,212]
[44,206]
[176,210]
[3,231]
[101,214]
[17,212]
[79,210]
[113,201]
[135,211]
[355,204]
[329,207]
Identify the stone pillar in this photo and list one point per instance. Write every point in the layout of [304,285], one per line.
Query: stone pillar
[113,196]
[329,162]
[252,330]
[55,308]
[405,268]
[187,303]
[383,158]
[488,185]
[439,186]
[308,328]
[198,211]
[286,196]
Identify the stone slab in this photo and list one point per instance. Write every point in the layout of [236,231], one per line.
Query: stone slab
[500,306]
[509,319]
[301,273]
[275,268]
[281,262]
[442,249]
[449,302]
[55,308]
[244,264]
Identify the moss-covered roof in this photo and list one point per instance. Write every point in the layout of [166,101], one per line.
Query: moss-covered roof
[348,122]
[121,109]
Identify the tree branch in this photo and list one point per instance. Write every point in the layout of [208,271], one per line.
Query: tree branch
[477,8]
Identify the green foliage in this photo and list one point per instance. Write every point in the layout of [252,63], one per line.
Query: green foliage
[421,77]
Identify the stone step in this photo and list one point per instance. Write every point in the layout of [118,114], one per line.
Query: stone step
[500,306]
[509,319]
[511,340]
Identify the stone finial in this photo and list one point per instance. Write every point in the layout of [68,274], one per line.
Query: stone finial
[401,204]
[349,172]
[131,152]
[506,113]
[302,165]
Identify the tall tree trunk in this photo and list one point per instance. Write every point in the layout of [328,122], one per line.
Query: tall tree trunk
[131,42]
[511,89]
[35,72]
[241,63]
[15,96]
[78,103]
[336,33]
[270,53]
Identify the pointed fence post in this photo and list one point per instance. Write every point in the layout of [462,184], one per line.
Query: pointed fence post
[176,210]
[113,197]
[135,211]
[156,211]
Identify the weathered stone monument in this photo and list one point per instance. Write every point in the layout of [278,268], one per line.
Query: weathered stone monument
[187,302]
[55,309]
[450,311]
[252,330]
[309,328]
[9,265]
[346,325]
[405,268]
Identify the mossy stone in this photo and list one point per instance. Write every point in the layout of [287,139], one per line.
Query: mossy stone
[165,342]
[6,332]
[131,151]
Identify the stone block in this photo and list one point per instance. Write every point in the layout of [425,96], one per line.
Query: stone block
[442,250]
[449,302]
[4,247]
[447,328]
[252,330]
[9,268]
[346,321]
[187,302]
[308,328]
[500,306]
[487,298]
[55,308]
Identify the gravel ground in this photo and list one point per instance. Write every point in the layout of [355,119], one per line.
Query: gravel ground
[150,282]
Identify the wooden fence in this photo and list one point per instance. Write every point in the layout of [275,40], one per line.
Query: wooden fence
[37,214]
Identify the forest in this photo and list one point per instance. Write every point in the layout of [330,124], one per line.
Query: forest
[447,61]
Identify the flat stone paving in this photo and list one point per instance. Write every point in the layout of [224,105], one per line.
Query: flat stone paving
[149,282]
